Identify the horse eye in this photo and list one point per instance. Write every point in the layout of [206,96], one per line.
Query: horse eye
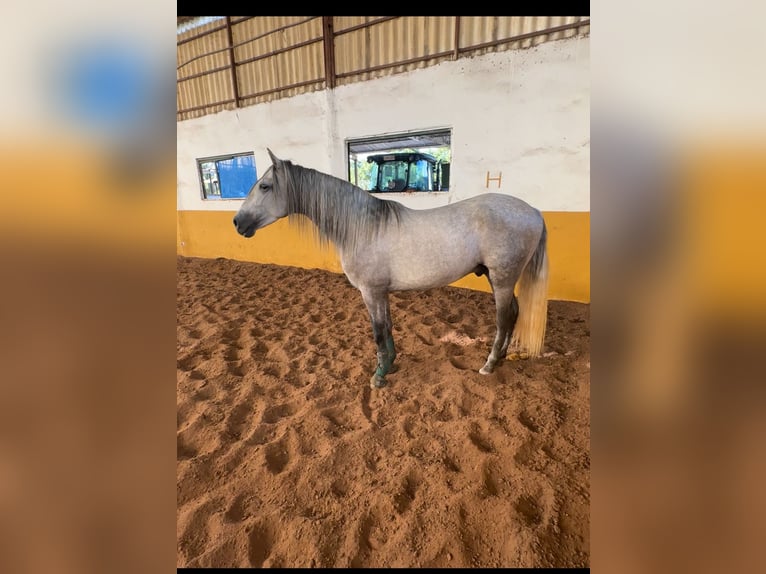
[265,186]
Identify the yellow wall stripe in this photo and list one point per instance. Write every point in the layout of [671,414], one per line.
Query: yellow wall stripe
[211,234]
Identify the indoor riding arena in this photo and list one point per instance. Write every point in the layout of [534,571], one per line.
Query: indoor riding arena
[286,455]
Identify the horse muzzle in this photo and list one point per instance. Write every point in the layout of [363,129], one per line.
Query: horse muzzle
[244,227]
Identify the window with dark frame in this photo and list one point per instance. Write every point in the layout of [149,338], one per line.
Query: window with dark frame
[227,176]
[417,161]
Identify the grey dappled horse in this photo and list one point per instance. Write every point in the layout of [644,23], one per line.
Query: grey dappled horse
[385,246]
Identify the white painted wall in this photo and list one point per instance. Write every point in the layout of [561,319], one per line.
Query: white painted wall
[525,113]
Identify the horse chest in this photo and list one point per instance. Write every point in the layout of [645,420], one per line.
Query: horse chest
[365,269]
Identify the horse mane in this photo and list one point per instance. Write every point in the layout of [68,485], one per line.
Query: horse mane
[342,213]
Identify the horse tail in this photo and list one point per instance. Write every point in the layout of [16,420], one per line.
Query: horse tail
[529,332]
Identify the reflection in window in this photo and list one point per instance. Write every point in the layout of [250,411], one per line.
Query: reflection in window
[227,177]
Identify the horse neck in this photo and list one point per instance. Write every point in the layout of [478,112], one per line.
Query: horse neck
[316,197]
[340,212]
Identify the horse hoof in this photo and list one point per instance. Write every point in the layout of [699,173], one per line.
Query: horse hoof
[486,370]
[377,382]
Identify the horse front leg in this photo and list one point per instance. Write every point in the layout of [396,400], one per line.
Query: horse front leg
[390,347]
[380,316]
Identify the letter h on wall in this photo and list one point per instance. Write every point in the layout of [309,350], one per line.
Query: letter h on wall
[498,179]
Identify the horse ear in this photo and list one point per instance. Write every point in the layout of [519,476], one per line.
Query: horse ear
[274,159]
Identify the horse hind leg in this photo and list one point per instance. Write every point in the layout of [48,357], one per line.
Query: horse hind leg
[514,314]
[504,298]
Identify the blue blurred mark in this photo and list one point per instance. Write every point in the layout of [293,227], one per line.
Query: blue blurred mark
[107,85]
[121,94]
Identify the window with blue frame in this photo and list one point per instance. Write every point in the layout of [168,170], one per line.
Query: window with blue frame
[227,177]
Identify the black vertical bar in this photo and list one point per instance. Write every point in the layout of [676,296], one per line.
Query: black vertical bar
[456,53]
[329,51]
[234,85]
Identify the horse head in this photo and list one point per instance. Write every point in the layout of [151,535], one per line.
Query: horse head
[264,203]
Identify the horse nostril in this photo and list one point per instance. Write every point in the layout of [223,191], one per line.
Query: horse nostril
[235,222]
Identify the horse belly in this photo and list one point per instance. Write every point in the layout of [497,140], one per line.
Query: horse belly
[428,267]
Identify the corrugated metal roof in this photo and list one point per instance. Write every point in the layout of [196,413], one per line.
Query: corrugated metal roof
[290,50]
[413,140]
[186,23]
